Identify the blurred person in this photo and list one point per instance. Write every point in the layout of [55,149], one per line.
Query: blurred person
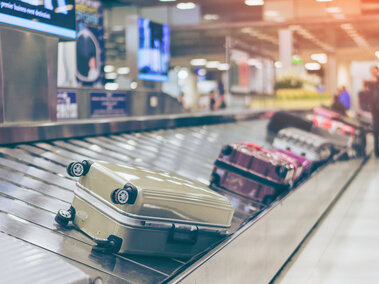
[374,94]
[344,97]
[93,73]
[221,102]
[213,100]
[364,98]
[337,106]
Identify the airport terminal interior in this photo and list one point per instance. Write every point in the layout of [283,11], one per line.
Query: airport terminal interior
[189,141]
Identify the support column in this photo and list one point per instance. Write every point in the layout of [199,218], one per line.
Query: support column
[285,48]
[331,74]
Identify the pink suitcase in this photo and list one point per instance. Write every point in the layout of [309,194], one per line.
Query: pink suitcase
[305,167]
[254,172]
[265,165]
[327,113]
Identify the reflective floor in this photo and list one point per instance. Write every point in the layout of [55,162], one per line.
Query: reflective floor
[345,247]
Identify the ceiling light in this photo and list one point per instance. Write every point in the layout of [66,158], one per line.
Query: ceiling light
[271,13]
[339,16]
[212,64]
[278,64]
[320,57]
[183,74]
[324,0]
[211,17]
[133,85]
[111,86]
[167,0]
[110,76]
[108,68]
[198,62]
[312,66]
[333,10]
[254,2]
[123,70]
[202,72]
[223,67]
[347,26]
[186,5]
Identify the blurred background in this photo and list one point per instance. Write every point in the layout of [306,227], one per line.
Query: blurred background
[148,57]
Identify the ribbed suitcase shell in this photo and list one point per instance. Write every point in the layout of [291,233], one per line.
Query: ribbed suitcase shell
[264,164]
[237,182]
[303,143]
[252,171]
[166,205]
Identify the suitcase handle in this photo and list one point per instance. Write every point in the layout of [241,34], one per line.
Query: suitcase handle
[252,145]
[182,234]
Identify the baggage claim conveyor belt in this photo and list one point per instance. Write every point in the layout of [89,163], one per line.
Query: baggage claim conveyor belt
[34,185]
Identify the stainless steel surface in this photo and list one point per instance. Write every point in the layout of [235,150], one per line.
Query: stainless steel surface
[29,132]
[29,263]
[28,63]
[34,185]
[260,248]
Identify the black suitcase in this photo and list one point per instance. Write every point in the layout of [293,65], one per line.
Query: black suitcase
[285,119]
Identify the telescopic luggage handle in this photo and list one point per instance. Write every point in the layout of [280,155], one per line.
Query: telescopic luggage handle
[183,234]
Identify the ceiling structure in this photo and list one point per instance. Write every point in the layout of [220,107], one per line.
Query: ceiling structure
[338,27]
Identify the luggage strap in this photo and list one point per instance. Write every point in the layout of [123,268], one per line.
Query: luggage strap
[249,175]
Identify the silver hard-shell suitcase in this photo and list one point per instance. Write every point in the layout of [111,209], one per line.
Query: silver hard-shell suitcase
[303,143]
[134,210]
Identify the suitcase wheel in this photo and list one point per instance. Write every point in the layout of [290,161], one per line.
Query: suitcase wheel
[267,200]
[125,195]
[215,179]
[65,216]
[78,169]
[108,246]
[121,196]
[97,280]
[227,150]
[281,171]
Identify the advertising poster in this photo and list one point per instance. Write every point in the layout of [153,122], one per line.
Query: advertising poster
[107,104]
[90,49]
[67,106]
[153,51]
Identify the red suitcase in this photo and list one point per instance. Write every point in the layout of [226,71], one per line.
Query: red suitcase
[333,126]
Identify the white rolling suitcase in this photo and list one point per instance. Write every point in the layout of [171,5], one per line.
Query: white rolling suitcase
[303,143]
[129,209]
